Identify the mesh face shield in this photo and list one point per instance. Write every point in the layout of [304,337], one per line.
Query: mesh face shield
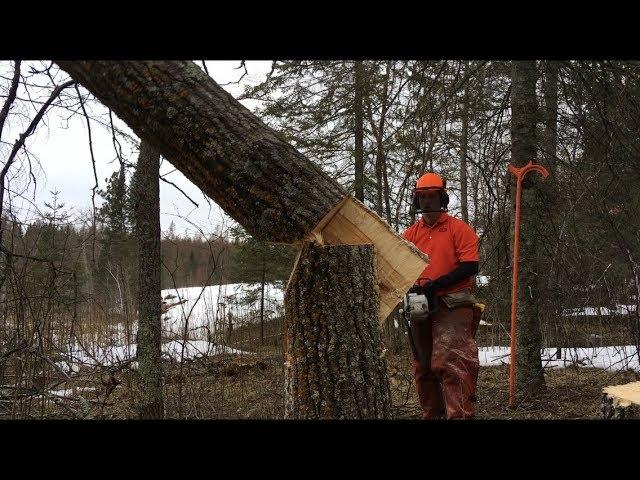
[432,204]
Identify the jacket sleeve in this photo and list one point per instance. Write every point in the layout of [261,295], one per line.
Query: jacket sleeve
[465,243]
[462,271]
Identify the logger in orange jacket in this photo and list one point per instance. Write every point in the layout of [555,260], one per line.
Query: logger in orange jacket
[446,372]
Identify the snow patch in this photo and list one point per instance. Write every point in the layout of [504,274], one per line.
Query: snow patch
[116,355]
[600,311]
[611,358]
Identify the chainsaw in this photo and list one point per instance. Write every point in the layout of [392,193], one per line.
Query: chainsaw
[415,305]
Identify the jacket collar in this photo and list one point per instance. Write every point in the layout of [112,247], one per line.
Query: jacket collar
[441,219]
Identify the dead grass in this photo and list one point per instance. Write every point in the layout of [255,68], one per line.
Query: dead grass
[252,387]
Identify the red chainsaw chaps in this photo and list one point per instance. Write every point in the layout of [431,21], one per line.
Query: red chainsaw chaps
[446,384]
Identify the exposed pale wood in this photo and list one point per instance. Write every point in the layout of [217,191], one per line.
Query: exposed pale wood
[624,396]
[398,262]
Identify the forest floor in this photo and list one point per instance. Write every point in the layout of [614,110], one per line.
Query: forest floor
[252,387]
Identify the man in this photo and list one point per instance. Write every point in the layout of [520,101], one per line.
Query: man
[445,361]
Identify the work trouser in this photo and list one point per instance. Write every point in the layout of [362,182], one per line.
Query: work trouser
[446,377]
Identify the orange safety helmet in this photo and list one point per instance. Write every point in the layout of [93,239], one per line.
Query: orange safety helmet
[431,181]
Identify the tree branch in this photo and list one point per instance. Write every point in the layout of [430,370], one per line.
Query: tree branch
[11,97]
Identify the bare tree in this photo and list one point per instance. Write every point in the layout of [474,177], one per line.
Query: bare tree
[146,192]
[529,372]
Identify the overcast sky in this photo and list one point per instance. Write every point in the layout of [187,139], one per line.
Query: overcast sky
[62,149]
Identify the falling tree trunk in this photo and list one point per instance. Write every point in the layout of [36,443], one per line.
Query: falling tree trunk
[147,226]
[223,148]
[529,372]
[260,180]
[358,118]
[335,367]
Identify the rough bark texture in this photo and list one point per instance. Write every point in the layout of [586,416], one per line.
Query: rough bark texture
[464,143]
[529,372]
[610,411]
[551,295]
[335,366]
[551,115]
[260,180]
[358,117]
[147,227]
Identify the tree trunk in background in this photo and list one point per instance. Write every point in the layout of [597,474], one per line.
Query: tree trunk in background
[550,115]
[358,117]
[464,142]
[549,188]
[529,372]
[262,303]
[335,367]
[387,194]
[223,148]
[147,227]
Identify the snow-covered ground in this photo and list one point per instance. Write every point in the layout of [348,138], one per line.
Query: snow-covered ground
[204,310]
[70,392]
[115,355]
[210,307]
[600,311]
[611,358]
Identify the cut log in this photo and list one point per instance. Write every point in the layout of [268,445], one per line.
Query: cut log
[335,366]
[621,401]
[260,180]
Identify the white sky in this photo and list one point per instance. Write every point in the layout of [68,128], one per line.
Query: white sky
[62,149]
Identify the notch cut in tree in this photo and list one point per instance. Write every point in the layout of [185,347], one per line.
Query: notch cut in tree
[335,366]
[260,180]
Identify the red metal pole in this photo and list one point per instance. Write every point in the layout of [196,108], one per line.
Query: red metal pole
[519,173]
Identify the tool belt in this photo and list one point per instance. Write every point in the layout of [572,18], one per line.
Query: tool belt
[463,298]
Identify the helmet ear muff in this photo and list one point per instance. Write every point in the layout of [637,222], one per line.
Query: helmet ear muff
[444,199]
[415,201]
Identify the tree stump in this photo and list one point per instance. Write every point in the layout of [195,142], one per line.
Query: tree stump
[621,401]
[335,366]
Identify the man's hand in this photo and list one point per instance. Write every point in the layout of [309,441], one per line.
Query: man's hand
[428,288]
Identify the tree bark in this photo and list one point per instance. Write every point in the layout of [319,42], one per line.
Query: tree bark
[464,143]
[262,302]
[335,367]
[358,117]
[529,372]
[551,115]
[147,226]
[260,180]
[552,294]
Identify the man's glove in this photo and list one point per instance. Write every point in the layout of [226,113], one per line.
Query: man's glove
[427,289]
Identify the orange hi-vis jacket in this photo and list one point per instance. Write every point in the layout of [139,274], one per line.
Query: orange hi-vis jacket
[448,242]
